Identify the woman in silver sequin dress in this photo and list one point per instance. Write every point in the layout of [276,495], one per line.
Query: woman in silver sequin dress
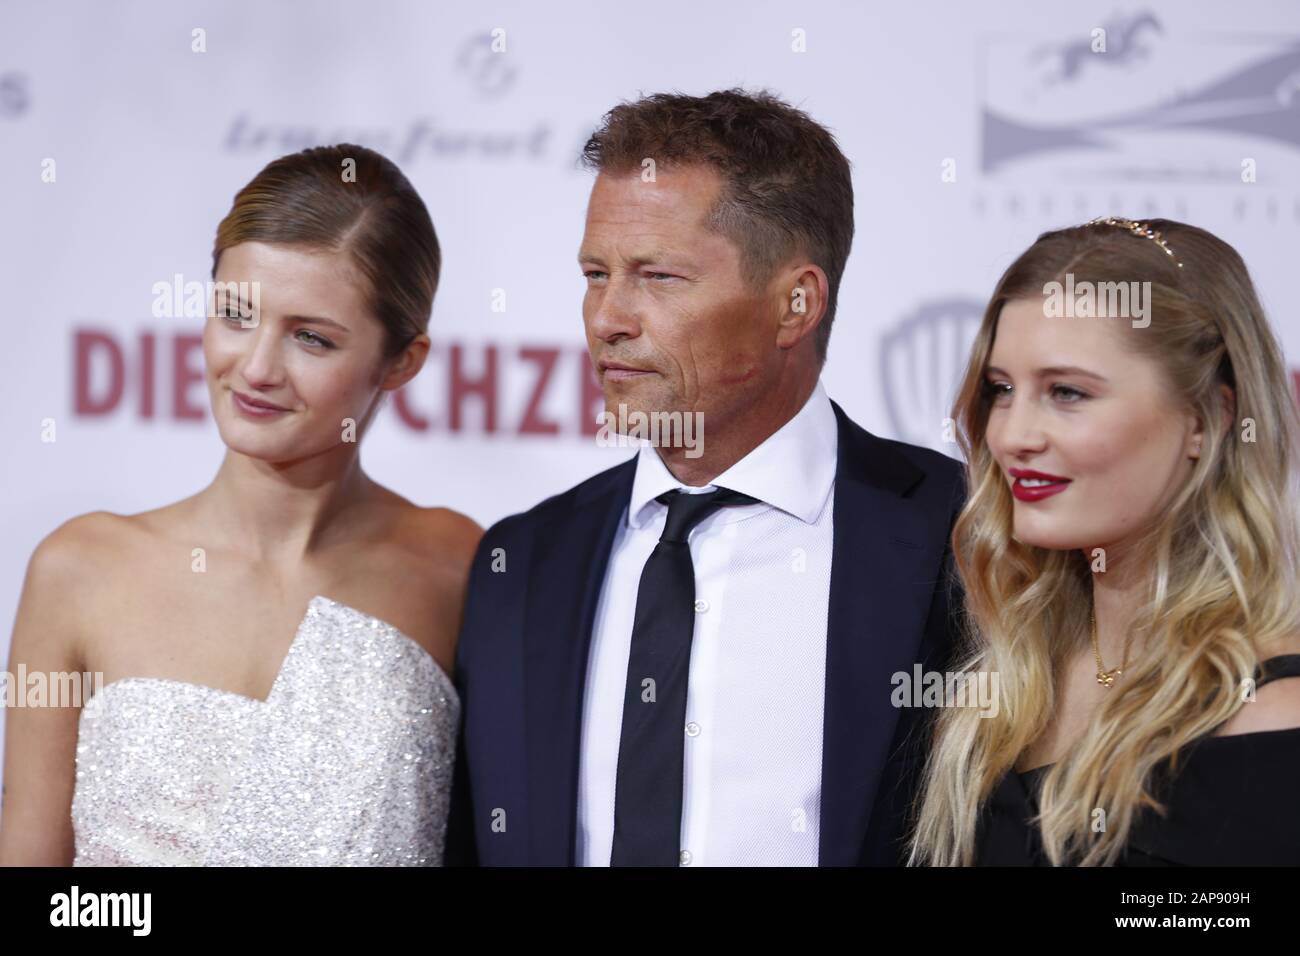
[272,654]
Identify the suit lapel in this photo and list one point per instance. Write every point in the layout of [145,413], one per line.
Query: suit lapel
[879,595]
[557,638]
[880,591]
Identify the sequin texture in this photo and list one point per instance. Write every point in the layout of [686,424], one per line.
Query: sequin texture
[347,762]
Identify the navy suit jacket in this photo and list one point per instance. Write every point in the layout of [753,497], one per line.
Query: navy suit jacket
[521,659]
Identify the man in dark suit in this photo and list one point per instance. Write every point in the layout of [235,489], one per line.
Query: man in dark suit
[689,659]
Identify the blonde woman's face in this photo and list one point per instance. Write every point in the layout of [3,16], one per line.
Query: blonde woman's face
[1071,400]
[310,349]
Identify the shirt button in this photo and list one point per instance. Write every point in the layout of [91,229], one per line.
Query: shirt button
[701,605]
[684,858]
[693,729]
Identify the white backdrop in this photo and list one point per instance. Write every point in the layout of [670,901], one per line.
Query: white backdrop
[971,128]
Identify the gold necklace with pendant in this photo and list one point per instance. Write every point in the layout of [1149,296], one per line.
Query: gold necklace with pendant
[1105,677]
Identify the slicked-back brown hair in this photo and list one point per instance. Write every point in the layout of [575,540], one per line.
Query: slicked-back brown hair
[787,189]
[377,218]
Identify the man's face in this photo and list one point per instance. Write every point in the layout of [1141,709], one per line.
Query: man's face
[671,324]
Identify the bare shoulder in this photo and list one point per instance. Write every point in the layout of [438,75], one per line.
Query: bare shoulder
[79,547]
[100,542]
[64,573]
[1276,705]
[443,543]
[446,539]
[1288,645]
[90,554]
[456,535]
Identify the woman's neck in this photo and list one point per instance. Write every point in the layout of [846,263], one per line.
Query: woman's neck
[280,512]
[1117,594]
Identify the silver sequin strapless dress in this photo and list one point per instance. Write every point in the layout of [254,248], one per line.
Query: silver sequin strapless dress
[347,762]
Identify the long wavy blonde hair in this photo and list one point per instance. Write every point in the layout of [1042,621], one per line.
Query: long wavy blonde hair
[1223,560]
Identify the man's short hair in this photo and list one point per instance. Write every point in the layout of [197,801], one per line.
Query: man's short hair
[786,190]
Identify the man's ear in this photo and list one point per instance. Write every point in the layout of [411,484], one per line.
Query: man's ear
[805,293]
[405,365]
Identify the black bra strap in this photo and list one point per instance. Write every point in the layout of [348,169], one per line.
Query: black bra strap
[1283,665]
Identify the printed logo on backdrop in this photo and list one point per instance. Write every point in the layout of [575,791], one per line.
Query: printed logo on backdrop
[485,64]
[482,64]
[1133,99]
[1127,113]
[922,360]
[14,97]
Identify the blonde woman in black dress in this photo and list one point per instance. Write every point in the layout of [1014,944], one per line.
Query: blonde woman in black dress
[1129,553]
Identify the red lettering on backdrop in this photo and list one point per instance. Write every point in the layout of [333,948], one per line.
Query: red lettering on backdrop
[146,374]
[98,351]
[485,386]
[593,397]
[406,414]
[533,423]
[183,376]
[82,401]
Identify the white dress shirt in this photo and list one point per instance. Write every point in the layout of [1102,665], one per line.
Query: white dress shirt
[753,734]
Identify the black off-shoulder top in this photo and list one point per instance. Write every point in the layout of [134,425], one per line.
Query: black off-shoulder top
[1235,801]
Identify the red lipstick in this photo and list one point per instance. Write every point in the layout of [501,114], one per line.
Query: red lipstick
[1031,485]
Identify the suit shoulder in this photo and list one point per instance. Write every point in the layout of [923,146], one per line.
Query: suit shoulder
[565,501]
[923,472]
[871,451]
[945,477]
[944,467]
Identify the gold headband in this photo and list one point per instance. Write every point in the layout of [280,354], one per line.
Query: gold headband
[1138,229]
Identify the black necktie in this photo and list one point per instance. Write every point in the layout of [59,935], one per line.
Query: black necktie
[648,790]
